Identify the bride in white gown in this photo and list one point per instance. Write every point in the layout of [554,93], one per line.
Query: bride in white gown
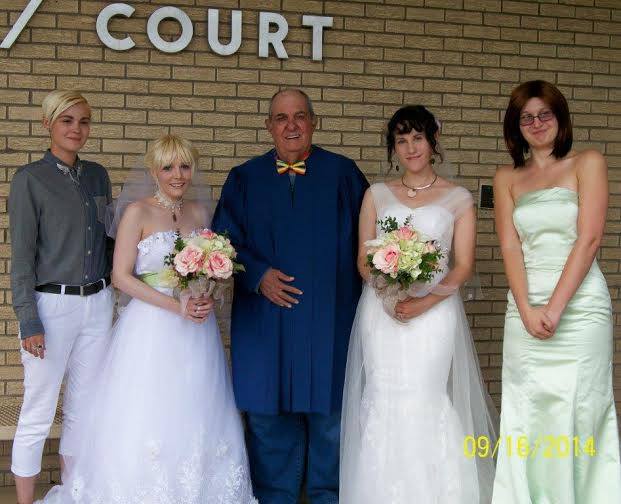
[413,389]
[162,426]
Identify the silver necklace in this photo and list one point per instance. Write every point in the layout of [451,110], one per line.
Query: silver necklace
[174,206]
[412,191]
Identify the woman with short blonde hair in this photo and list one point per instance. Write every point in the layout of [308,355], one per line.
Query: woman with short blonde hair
[60,277]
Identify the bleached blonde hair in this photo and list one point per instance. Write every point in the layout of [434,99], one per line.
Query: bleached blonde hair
[166,150]
[56,102]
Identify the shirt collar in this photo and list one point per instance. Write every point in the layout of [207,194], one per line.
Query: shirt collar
[64,169]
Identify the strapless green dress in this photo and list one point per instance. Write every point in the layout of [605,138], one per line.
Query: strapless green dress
[559,441]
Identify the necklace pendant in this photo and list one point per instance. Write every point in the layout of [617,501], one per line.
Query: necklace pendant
[411,193]
[174,217]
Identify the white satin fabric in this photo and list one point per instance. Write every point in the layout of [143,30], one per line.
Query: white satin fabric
[413,390]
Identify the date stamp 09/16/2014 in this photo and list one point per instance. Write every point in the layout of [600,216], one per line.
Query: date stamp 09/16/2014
[521,446]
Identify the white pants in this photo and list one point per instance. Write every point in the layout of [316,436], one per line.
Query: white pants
[77,333]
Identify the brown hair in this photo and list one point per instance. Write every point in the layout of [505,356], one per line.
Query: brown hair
[549,93]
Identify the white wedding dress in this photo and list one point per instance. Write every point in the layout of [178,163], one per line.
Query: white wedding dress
[413,390]
[162,427]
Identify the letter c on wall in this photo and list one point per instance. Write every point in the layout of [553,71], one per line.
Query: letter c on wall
[116,9]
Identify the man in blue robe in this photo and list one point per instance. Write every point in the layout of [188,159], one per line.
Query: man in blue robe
[292,215]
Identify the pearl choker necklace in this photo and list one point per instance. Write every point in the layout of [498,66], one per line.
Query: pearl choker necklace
[174,206]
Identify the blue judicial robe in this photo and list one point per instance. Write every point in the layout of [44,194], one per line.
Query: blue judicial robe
[293,359]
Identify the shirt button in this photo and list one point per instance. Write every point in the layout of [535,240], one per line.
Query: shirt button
[86,277]
[87,203]
[89,252]
[89,228]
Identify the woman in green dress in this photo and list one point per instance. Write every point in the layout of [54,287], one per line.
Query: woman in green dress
[559,440]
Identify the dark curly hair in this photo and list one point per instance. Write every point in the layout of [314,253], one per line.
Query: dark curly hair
[408,118]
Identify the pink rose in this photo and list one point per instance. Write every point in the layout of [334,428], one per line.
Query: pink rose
[207,233]
[430,248]
[386,259]
[189,260]
[218,265]
[406,233]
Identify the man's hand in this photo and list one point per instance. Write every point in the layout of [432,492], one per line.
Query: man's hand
[274,288]
[35,345]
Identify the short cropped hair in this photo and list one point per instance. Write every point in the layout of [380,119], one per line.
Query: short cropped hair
[550,94]
[166,150]
[309,102]
[408,118]
[56,102]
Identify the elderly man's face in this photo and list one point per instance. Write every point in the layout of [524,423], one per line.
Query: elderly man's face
[291,126]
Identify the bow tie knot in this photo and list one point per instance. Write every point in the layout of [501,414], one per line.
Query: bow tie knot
[299,167]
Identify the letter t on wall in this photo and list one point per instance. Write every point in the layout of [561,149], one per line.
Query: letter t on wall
[318,23]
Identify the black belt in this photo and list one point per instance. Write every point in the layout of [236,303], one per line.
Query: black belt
[75,290]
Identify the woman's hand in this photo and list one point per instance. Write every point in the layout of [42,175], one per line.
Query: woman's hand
[198,309]
[554,316]
[35,345]
[410,308]
[538,323]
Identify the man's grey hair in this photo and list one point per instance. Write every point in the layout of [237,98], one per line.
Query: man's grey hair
[309,103]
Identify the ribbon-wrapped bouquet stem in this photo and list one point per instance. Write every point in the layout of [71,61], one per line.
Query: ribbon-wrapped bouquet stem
[401,261]
[201,264]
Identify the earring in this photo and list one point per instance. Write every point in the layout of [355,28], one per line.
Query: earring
[432,160]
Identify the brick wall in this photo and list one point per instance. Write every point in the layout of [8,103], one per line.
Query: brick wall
[461,58]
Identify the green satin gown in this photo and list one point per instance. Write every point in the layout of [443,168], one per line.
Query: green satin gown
[559,441]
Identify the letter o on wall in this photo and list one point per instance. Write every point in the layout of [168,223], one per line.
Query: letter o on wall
[187,30]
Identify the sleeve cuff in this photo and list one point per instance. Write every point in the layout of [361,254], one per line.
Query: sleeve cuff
[30,328]
[256,288]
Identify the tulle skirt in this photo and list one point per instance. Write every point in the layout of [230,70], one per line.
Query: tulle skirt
[162,427]
[413,392]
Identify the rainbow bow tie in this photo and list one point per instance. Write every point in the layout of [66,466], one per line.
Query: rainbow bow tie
[299,167]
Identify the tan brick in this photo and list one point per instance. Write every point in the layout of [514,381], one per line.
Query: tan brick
[126,85]
[425,14]
[359,81]
[172,87]
[367,53]
[223,105]
[424,70]
[34,51]
[483,5]
[98,69]
[575,25]
[443,57]
[364,24]
[390,97]
[344,95]
[53,36]
[403,83]
[124,116]
[385,11]
[213,89]
[384,39]
[406,55]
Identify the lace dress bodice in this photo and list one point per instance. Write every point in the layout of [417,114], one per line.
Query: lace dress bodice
[152,251]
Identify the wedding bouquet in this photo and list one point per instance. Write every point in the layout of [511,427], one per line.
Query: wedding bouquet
[400,260]
[200,264]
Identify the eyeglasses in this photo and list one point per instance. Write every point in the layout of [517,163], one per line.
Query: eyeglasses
[528,119]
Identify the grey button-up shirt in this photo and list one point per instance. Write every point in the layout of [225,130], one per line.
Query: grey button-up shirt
[58,234]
